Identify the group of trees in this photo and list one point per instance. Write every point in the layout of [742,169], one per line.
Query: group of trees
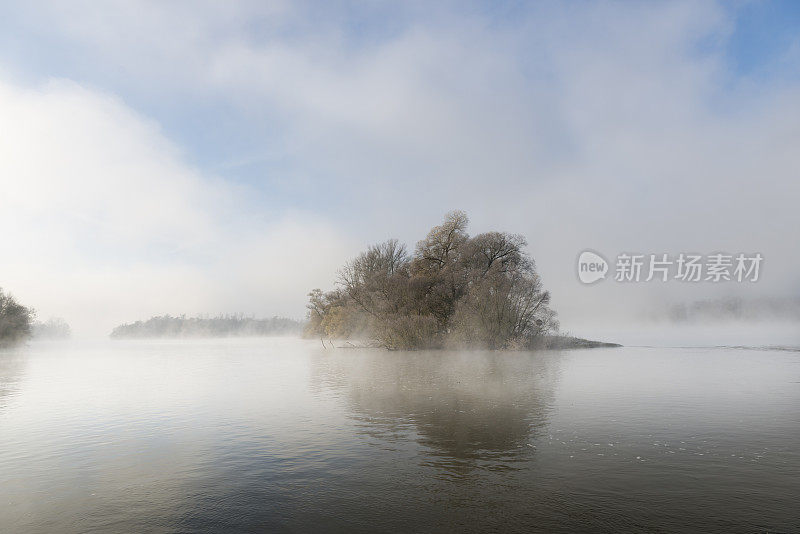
[15,320]
[220,326]
[454,290]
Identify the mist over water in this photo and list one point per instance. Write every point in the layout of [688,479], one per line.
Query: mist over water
[264,434]
[773,334]
[181,181]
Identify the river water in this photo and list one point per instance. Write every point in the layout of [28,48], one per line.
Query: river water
[281,435]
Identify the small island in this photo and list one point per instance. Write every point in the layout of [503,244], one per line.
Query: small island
[454,291]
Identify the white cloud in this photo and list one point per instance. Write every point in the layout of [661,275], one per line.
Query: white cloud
[622,134]
[105,222]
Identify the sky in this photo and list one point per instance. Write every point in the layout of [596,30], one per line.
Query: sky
[221,157]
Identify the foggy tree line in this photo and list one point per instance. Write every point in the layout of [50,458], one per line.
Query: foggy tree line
[15,320]
[53,328]
[219,326]
[736,309]
[454,290]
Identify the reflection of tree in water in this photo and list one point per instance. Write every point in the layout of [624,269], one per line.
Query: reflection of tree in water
[470,409]
[12,366]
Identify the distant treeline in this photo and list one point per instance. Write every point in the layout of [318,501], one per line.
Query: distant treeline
[54,328]
[737,309]
[219,326]
[454,290]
